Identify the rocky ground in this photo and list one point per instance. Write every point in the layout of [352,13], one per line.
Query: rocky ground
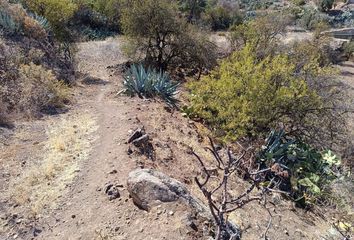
[65,176]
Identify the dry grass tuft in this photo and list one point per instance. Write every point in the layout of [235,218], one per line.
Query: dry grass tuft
[68,144]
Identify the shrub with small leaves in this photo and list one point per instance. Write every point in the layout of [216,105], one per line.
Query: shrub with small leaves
[310,17]
[247,97]
[348,50]
[57,12]
[40,89]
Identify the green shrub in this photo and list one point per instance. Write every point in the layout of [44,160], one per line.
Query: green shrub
[324,5]
[57,12]
[193,9]
[263,32]
[298,169]
[147,83]
[252,5]
[299,2]
[164,38]
[247,97]
[100,15]
[348,50]
[309,18]
[221,18]
[111,9]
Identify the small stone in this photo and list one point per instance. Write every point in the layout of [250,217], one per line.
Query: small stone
[170,213]
[114,171]
[130,151]
[112,191]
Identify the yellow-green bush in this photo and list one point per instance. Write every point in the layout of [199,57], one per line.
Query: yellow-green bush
[109,8]
[263,32]
[57,12]
[246,96]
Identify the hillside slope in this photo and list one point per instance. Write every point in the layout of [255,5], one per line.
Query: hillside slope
[72,203]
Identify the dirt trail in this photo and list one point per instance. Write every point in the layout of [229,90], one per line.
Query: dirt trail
[85,210]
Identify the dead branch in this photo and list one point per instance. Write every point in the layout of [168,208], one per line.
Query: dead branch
[227,203]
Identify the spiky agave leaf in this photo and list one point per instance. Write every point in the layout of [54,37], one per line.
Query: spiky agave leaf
[165,88]
[149,83]
[8,23]
[42,21]
[134,80]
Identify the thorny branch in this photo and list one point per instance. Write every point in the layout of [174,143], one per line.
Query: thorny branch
[227,203]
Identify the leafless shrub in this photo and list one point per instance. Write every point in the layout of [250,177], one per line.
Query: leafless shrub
[220,199]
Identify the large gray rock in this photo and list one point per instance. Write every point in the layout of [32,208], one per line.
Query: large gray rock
[149,188]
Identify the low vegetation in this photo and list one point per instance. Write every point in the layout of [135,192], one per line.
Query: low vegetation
[302,171]
[282,104]
[262,32]
[57,13]
[147,83]
[265,85]
[248,97]
[29,84]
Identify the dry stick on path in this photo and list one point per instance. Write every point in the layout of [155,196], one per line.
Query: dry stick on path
[228,203]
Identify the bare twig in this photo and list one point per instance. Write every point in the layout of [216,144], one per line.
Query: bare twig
[227,203]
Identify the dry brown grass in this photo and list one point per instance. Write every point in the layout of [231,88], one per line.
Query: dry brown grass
[44,181]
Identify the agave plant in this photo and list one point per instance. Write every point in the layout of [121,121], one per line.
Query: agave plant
[276,147]
[8,23]
[148,83]
[42,21]
[165,88]
[308,171]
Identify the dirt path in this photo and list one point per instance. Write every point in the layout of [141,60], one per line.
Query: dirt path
[84,212]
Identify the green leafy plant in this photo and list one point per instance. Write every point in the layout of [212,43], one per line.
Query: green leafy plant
[248,97]
[57,12]
[302,171]
[222,17]
[348,50]
[310,17]
[147,83]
